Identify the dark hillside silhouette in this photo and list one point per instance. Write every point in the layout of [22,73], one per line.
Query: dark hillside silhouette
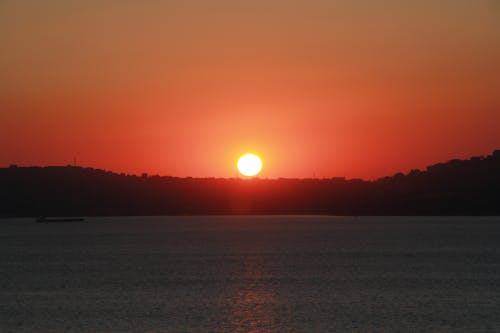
[457,187]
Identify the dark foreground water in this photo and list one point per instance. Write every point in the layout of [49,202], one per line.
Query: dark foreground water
[251,274]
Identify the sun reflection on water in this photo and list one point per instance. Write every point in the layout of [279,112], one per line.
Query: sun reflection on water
[252,303]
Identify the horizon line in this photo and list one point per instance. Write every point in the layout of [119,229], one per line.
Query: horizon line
[495,152]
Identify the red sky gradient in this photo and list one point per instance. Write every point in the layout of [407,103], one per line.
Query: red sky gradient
[331,88]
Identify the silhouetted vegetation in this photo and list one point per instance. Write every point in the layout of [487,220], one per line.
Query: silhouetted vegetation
[457,187]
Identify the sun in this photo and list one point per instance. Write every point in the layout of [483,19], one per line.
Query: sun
[249,165]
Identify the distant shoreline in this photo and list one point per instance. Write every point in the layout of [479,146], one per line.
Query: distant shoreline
[455,188]
[255,215]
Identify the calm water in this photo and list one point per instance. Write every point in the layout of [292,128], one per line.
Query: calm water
[251,274]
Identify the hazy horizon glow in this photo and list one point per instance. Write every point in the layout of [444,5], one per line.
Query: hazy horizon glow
[326,88]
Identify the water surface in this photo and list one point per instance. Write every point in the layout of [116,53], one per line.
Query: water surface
[251,274]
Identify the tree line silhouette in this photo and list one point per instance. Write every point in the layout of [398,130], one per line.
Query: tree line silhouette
[457,187]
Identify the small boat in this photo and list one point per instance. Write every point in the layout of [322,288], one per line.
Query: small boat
[44,219]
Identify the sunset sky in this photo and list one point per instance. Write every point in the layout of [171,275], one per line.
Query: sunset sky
[315,87]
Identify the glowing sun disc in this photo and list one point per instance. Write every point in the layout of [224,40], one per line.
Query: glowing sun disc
[249,165]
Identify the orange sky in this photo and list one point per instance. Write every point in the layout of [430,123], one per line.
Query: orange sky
[332,88]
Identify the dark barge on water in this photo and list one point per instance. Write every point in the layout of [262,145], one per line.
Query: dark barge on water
[44,219]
